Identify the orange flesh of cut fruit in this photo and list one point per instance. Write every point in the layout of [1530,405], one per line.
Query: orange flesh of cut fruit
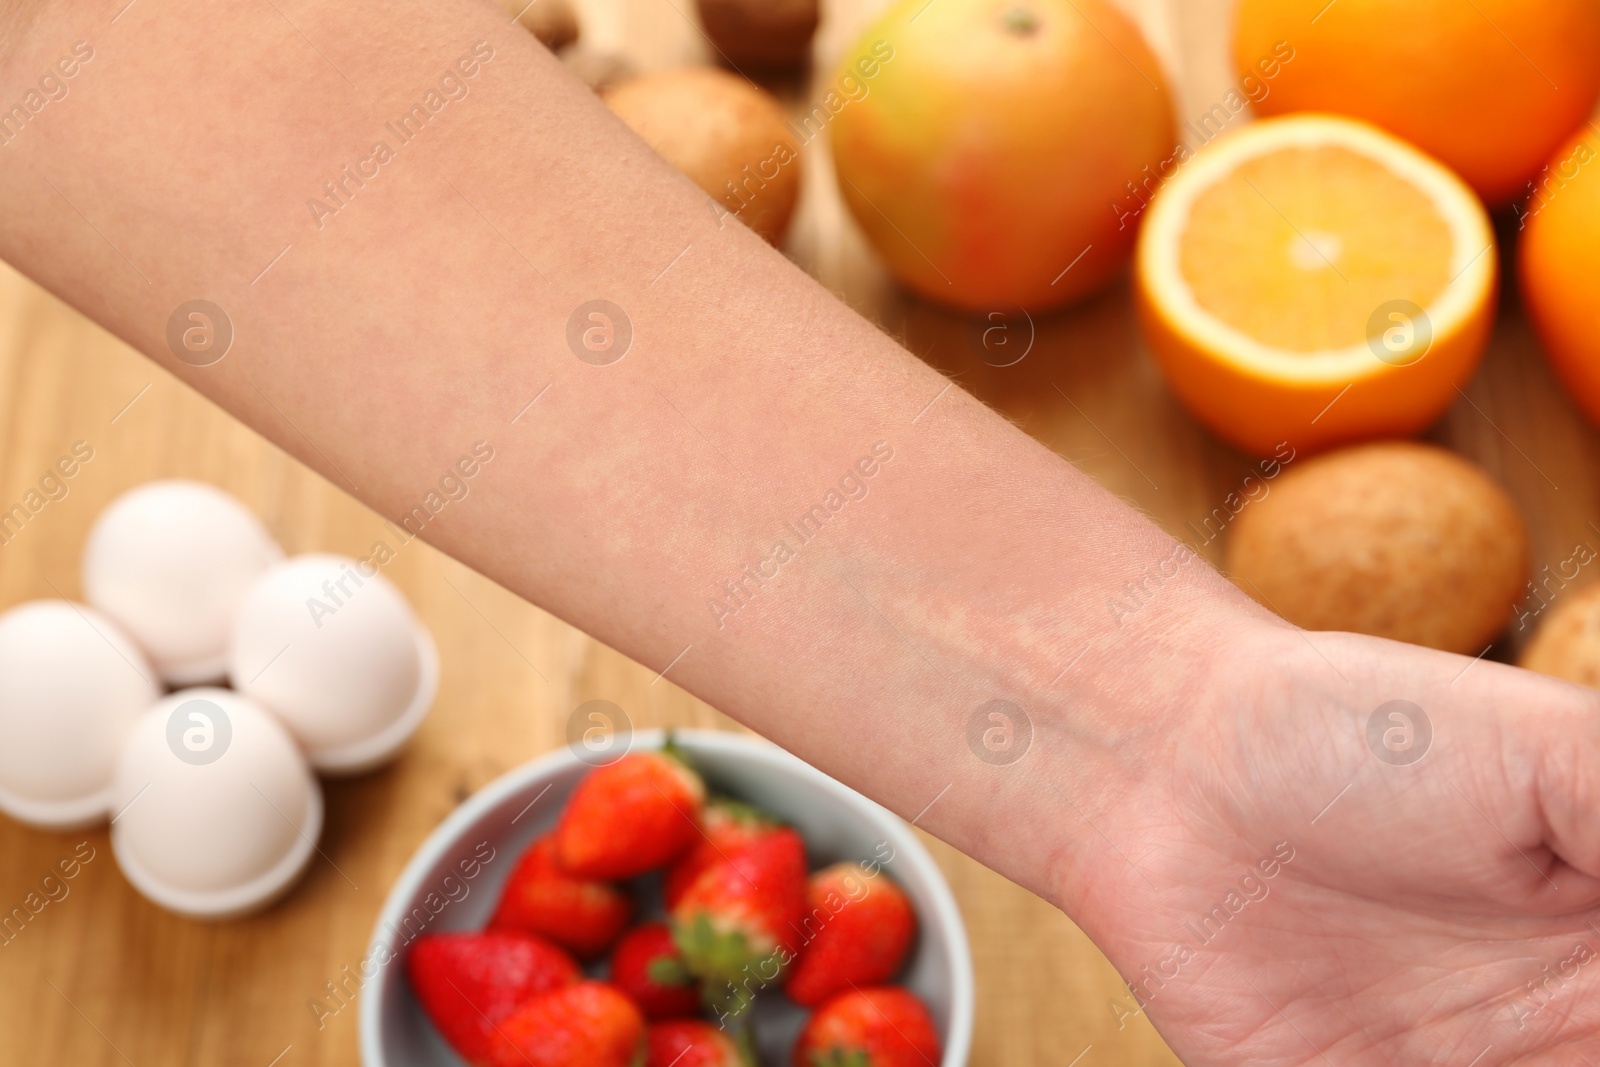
[1330,266]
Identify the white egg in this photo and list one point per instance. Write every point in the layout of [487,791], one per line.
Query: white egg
[169,561]
[333,649]
[72,684]
[215,811]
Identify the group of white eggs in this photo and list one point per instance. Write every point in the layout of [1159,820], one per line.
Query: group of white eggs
[115,709]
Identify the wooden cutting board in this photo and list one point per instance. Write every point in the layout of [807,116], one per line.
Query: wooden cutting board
[102,977]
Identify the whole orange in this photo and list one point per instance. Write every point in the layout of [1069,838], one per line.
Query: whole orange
[1490,87]
[1560,266]
[990,155]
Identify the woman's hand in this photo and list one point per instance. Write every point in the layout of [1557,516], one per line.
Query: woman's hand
[1361,852]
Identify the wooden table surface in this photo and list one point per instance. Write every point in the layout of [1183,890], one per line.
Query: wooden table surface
[103,977]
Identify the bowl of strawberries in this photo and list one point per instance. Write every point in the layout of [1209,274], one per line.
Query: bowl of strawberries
[701,899]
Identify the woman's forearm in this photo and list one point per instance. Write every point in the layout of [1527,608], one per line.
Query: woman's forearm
[406,216]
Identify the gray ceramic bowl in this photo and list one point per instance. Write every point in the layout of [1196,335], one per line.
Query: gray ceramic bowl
[454,881]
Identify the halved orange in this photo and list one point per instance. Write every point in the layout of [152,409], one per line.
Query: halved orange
[1314,280]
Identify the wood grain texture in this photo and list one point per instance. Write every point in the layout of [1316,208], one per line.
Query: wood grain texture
[103,977]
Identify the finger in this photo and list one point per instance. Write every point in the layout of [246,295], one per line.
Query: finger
[1556,727]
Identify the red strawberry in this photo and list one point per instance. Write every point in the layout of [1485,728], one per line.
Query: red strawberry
[630,817]
[881,1027]
[690,1043]
[467,983]
[860,925]
[726,828]
[647,966]
[736,924]
[589,1023]
[541,898]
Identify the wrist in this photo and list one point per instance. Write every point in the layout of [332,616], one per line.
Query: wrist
[1117,732]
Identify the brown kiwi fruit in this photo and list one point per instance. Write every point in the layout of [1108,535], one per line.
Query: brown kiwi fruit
[1567,644]
[765,34]
[1397,539]
[731,138]
[552,21]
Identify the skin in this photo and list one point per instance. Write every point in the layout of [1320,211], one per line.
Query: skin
[1172,748]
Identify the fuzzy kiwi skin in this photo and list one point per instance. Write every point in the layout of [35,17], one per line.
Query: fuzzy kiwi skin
[764,34]
[1396,539]
[552,21]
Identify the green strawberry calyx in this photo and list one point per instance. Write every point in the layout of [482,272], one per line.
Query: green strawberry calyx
[731,970]
[668,971]
[839,1056]
[744,1043]
[742,812]
[670,749]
